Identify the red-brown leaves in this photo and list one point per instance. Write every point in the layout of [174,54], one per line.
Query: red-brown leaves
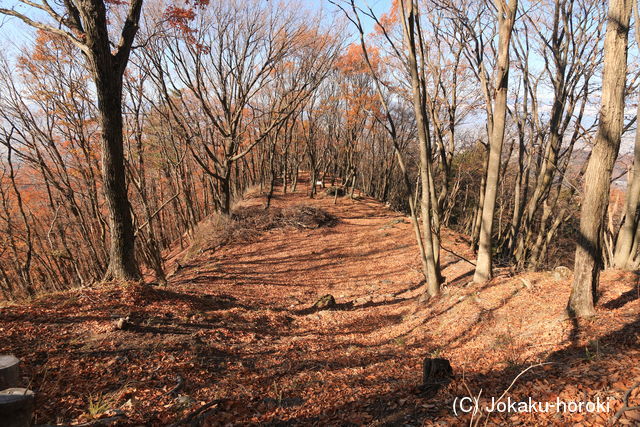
[180,18]
[389,19]
[353,60]
[227,323]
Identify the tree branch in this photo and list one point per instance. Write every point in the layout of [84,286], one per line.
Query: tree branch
[46,27]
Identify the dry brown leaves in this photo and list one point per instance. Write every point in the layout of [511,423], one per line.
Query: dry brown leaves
[230,324]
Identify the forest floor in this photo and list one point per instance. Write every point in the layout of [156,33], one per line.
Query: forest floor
[232,333]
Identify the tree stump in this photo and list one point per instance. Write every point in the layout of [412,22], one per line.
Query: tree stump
[9,371]
[435,374]
[335,191]
[16,407]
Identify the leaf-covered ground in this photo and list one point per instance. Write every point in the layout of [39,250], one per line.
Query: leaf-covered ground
[232,333]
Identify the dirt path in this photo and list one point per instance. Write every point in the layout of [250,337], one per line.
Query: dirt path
[328,359]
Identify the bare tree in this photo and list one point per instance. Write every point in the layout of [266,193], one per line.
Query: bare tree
[627,242]
[506,14]
[231,66]
[588,258]
[85,24]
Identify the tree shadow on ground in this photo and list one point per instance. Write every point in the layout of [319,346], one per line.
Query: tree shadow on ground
[384,408]
[627,297]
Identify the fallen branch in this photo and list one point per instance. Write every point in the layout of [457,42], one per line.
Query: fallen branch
[177,387]
[625,406]
[197,412]
[153,215]
[102,421]
[455,254]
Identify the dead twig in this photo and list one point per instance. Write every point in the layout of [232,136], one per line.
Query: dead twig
[197,412]
[457,255]
[625,407]
[174,389]
[514,381]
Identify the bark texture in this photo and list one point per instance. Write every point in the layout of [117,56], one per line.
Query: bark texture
[626,245]
[506,19]
[108,69]
[588,258]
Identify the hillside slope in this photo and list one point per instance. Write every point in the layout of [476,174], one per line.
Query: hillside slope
[233,332]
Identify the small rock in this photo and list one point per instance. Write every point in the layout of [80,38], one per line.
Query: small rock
[123,323]
[184,401]
[363,300]
[561,273]
[526,283]
[325,302]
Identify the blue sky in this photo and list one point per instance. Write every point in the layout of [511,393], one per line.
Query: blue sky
[378,6]
[13,32]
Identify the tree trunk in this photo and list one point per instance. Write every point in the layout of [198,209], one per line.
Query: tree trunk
[624,253]
[225,184]
[506,20]
[432,273]
[122,262]
[588,259]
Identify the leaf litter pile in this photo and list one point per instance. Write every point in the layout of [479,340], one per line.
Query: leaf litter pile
[231,339]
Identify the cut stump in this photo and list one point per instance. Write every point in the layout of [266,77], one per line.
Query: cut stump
[335,191]
[9,371]
[436,373]
[16,407]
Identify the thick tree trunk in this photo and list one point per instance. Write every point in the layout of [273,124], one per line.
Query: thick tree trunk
[108,71]
[122,262]
[225,184]
[506,20]
[89,19]
[588,259]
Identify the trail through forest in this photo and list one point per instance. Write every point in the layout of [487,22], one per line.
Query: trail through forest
[233,337]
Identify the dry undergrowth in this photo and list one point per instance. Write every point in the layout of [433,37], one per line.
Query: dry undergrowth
[247,223]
